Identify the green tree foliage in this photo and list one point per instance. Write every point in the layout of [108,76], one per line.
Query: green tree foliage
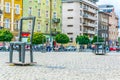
[100,39]
[5,35]
[82,39]
[62,38]
[38,38]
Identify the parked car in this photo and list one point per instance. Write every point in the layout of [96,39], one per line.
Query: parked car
[112,48]
[70,48]
[118,48]
[1,46]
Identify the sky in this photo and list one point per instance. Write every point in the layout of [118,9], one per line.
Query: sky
[115,3]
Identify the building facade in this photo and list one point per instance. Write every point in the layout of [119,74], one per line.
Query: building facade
[113,23]
[48,15]
[103,26]
[12,12]
[106,8]
[79,17]
[113,28]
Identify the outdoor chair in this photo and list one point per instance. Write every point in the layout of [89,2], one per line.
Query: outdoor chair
[20,44]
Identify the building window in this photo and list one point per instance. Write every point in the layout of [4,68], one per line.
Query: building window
[80,20]
[70,33]
[7,23]
[47,2]
[17,9]
[29,25]
[70,9]
[39,1]
[104,35]
[69,25]
[30,11]
[80,5]
[7,9]
[54,15]
[55,3]
[17,25]
[80,28]
[81,12]
[71,39]
[38,26]
[46,14]
[70,17]
[46,27]
[38,12]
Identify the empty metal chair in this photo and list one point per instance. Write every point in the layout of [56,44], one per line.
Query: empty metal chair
[21,45]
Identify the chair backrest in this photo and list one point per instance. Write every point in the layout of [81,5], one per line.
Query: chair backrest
[32,29]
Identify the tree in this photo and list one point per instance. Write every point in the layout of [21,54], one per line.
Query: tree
[62,38]
[100,39]
[82,39]
[38,38]
[5,35]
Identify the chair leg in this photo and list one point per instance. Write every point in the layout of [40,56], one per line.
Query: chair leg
[31,54]
[11,53]
[23,53]
[20,53]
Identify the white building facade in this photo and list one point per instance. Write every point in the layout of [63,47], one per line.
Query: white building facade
[79,17]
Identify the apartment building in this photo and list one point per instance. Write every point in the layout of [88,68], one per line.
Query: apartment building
[106,8]
[12,12]
[79,17]
[113,23]
[103,26]
[113,28]
[48,15]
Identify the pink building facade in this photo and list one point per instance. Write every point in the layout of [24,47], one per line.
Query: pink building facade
[113,29]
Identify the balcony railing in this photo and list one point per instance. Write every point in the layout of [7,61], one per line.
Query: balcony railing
[56,20]
[89,24]
[89,31]
[89,10]
[89,17]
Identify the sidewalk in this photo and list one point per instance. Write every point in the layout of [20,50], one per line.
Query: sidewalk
[63,66]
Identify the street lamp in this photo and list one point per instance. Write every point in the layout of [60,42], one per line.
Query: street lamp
[0,17]
[0,13]
[50,22]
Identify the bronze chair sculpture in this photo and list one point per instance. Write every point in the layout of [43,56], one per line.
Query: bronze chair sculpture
[21,45]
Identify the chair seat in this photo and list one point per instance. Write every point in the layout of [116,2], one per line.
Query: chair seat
[20,43]
[17,43]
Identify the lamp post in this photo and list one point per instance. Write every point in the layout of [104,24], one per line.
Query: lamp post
[0,12]
[50,22]
[0,17]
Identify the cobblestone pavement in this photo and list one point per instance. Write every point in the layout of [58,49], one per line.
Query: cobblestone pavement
[63,66]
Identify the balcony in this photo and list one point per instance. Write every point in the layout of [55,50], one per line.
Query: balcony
[85,8]
[89,17]
[89,10]
[56,20]
[89,32]
[89,25]
[90,3]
